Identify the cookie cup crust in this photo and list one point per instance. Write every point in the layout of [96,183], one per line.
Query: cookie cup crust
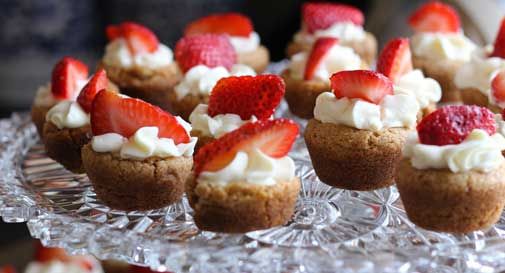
[64,145]
[185,106]
[133,184]
[202,139]
[240,207]
[353,159]
[473,96]
[38,114]
[441,200]
[257,59]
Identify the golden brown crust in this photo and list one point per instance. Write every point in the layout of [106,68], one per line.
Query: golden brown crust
[241,207]
[187,104]
[153,86]
[443,72]
[257,59]
[64,145]
[202,139]
[441,200]
[366,49]
[136,185]
[354,159]
[473,96]
[38,114]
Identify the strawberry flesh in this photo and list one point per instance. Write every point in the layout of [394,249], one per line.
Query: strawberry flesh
[498,87]
[499,42]
[452,124]
[321,47]
[435,16]
[395,59]
[139,38]
[272,137]
[247,96]
[234,24]
[7,269]
[97,82]
[65,77]
[361,84]
[323,15]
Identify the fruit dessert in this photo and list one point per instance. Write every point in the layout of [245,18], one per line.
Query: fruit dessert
[452,178]
[139,156]
[439,45]
[334,20]
[139,64]
[395,62]
[308,73]
[66,126]
[356,137]
[68,77]
[479,80]
[244,180]
[204,59]
[240,31]
[233,102]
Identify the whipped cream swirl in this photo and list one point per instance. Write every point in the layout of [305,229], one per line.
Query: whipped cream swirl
[59,267]
[67,114]
[117,54]
[217,125]
[425,90]
[344,31]
[442,46]
[245,44]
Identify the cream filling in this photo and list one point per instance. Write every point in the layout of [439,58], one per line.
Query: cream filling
[217,125]
[117,54]
[442,46]
[67,114]
[344,31]
[425,90]
[245,44]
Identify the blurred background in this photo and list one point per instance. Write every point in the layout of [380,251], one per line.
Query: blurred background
[35,34]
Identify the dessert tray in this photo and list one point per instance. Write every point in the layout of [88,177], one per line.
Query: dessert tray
[332,230]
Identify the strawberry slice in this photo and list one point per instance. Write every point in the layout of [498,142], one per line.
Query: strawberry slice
[97,82]
[361,84]
[247,96]
[499,42]
[318,16]
[435,16]
[139,38]
[211,50]
[319,51]
[232,23]
[498,86]
[111,113]
[7,269]
[65,77]
[395,59]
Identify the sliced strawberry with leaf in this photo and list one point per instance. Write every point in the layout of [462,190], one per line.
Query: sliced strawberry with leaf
[138,37]
[111,113]
[323,15]
[247,96]
[367,85]
[7,269]
[435,16]
[499,42]
[319,50]
[395,59]
[66,76]
[452,124]
[211,50]
[232,23]
[97,82]
[498,87]
[272,137]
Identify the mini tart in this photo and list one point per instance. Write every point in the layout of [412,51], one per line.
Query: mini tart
[441,200]
[353,159]
[136,185]
[153,86]
[257,59]
[64,145]
[202,139]
[240,206]
[473,96]
[366,48]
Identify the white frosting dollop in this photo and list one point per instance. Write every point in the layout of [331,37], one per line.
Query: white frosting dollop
[201,79]
[217,125]
[442,46]
[338,58]
[59,267]
[500,124]
[478,152]
[44,95]
[394,111]
[344,31]
[143,144]
[425,90]
[117,54]
[253,167]
[245,44]
[67,114]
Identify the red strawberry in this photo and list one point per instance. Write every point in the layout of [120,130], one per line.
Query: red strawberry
[319,50]
[97,82]
[272,137]
[499,42]
[395,59]
[7,269]
[208,49]
[498,86]
[361,84]
[452,124]
[111,113]
[247,96]
[322,15]
[66,74]
[435,16]
[138,37]
[232,23]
